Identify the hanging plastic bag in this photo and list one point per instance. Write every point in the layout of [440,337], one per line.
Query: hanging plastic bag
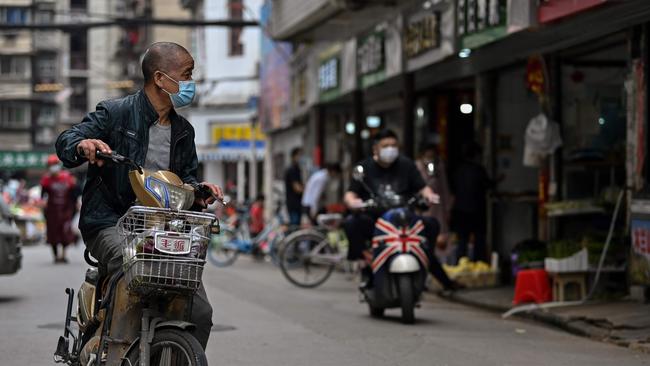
[542,138]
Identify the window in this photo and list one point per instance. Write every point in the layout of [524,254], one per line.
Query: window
[47,116]
[46,68]
[14,66]
[14,116]
[236,11]
[13,15]
[79,51]
[79,97]
[44,17]
[82,5]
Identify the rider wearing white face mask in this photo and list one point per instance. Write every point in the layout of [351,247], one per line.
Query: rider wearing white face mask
[388,170]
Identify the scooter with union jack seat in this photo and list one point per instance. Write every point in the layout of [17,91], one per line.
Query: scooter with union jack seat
[399,262]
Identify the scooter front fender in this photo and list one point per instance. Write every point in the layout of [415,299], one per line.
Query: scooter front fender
[404,263]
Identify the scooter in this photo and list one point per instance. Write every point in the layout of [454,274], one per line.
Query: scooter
[399,263]
[140,315]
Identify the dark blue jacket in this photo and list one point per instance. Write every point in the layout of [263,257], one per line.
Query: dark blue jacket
[124,125]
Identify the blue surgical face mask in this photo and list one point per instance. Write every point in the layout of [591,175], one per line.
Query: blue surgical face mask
[185,95]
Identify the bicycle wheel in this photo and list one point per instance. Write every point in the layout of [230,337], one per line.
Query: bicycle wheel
[306,258]
[223,250]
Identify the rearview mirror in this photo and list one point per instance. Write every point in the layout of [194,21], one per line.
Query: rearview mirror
[358,173]
[226,200]
[431,169]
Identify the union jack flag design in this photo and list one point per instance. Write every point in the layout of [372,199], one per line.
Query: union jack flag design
[390,240]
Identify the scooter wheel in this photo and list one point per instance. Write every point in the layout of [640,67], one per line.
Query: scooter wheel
[175,345]
[376,312]
[406,298]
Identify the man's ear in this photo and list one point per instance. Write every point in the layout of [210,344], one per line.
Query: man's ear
[157,78]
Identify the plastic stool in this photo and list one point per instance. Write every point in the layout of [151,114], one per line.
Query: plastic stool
[532,286]
[562,280]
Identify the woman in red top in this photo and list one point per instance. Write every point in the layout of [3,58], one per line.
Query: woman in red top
[59,185]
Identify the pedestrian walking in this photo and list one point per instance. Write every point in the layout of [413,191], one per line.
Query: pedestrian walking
[59,186]
[471,184]
[311,198]
[294,187]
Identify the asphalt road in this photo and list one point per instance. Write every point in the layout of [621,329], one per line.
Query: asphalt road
[260,319]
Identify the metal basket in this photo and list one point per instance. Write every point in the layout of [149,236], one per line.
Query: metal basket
[146,268]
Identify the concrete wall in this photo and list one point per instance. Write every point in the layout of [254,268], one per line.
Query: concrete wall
[171,9]
[102,66]
[217,64]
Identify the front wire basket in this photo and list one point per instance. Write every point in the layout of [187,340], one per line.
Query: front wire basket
[146,268]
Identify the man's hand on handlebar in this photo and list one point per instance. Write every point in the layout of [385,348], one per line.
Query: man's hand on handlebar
[88,147]
[216,193]
[431,197]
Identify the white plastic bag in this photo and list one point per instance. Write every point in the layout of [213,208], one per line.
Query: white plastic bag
[542,138]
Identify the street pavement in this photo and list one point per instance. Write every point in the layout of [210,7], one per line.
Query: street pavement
[261,319]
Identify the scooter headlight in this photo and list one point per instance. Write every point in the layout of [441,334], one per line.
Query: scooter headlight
[169,195]
[180,198]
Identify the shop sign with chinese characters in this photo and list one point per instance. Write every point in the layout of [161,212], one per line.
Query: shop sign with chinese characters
[639,265]
[551,10]
[22,159]
[371,59]
[421,34]
[481,21]
[329,74]
[237,135]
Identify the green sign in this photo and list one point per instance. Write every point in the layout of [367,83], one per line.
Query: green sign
[481,22]
[329,78]
[23,159]
[371,60]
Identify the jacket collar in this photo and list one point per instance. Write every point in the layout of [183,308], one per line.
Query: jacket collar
[151,116]
[147,110]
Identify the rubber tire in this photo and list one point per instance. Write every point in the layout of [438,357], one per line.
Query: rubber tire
[182,338]
[406,298]
[376,312]
[212,251]
[293,240]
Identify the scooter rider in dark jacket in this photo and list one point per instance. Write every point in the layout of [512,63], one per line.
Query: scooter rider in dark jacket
[145,128]
[388,168]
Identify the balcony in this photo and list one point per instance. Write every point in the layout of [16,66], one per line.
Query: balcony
[326,20]
[47,41]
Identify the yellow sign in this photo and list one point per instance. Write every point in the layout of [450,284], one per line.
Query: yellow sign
[235,132]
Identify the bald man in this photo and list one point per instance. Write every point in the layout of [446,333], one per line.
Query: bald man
[146,128]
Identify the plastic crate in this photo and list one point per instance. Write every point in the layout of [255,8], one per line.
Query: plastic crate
[578,262]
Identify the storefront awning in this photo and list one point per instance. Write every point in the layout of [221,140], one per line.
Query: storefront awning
[231,153]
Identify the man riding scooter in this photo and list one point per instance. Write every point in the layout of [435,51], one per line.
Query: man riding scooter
[388,170]
[145,128]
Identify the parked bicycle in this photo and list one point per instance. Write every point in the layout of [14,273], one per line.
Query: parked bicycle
[235,238]
[309,256]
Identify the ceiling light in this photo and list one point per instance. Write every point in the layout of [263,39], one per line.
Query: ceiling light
[373,121]
[464,53]
[466,108]
[349,128]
